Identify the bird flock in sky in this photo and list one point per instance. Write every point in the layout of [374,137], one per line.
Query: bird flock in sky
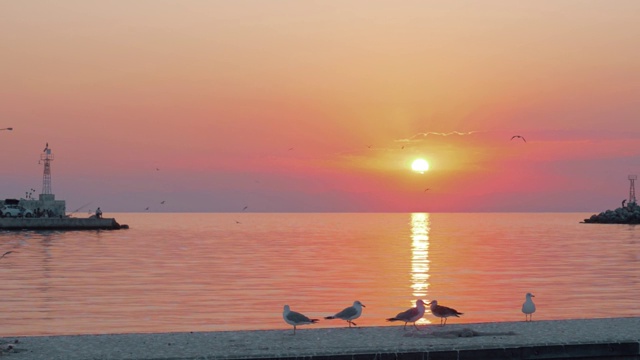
[371,147]
[411,315]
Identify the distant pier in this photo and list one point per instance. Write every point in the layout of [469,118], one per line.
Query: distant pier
[45,212]
[63,223]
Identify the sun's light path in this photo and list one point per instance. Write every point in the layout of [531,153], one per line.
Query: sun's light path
[420,257]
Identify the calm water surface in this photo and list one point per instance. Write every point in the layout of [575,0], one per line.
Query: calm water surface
[218,272]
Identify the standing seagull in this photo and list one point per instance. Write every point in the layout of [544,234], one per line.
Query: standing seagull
[442,312]
[518,136]
[412,315]
[295,318]
[528,308]
[350,313]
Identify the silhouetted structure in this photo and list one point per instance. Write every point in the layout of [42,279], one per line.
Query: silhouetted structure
[629,214]
[632,188]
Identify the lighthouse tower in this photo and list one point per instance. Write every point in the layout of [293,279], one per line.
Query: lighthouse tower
[46,157]
[47,203]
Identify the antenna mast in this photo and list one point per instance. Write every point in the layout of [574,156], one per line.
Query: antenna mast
[47,157]
[632,189]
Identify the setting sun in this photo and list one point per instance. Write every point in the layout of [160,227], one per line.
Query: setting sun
[420,165]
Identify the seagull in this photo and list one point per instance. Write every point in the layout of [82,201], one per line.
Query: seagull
[442,312]
[518,136]
[427,189]
[350,313]
[147,208]
[245,208]
[237,222]
[412,315]
[7,253]
[295,318]
[162,202]
[528,308]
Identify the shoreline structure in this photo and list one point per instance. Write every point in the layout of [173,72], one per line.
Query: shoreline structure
[47,213]
[609,338]
[627,213]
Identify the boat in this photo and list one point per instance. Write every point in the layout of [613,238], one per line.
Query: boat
[47,213]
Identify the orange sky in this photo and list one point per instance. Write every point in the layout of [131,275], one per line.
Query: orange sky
[216,93]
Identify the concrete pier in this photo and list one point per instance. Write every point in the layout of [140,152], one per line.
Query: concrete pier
[65,223]
[616,338]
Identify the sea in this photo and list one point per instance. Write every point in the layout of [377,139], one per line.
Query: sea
[182,272]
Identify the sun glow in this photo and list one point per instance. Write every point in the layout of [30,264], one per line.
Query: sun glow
[420,165]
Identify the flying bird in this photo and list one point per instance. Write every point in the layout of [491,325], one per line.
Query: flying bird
[295,318]
[442,312]
[162,202]
[528,308]
[412,315]
[518,136]
[7,253]
[147,208]
[245,208]
[427,189]
[351,313]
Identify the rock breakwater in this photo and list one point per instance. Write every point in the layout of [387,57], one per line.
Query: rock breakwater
[629,214]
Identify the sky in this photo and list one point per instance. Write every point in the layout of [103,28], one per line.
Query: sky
[321,106]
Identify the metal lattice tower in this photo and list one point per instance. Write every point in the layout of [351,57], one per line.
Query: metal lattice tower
[47,157]
[632,188]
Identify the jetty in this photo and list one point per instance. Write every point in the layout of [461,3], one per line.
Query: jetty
[612,338]
[46,212]
[627,213]
[64,223]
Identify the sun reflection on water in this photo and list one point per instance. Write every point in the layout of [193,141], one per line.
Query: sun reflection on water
[420,257]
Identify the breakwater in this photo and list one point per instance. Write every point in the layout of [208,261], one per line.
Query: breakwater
[64,223]
[629,214]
